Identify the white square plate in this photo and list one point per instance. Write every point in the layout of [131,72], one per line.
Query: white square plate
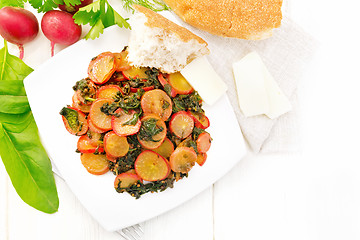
[49,88]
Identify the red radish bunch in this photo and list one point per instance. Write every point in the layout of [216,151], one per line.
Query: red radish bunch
[59,27]
[18,26]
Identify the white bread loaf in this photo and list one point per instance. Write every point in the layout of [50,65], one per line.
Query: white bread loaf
[157,42]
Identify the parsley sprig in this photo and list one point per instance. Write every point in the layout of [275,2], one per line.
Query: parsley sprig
[99,15]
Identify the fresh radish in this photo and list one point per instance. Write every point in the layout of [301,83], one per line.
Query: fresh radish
[73,9]
[59,27]
[18,26]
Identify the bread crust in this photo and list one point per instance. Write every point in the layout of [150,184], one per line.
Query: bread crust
[246,19]
[156,20]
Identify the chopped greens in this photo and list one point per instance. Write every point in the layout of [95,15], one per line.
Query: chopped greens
[188,102]
[149,129]
[138,189]
[72,117]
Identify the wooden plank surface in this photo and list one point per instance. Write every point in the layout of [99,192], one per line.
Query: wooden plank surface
[3,202]
[192,220]
[72,221]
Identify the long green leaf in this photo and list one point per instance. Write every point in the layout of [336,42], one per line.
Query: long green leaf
[11,67]
[14,104]
[27,164]
[12,87]
[21,151]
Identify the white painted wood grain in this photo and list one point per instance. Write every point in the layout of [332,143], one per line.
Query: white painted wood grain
[72,221]
[251,201]
[193,220]
[3,202]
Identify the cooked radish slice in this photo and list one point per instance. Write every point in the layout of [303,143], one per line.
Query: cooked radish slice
[74,121]
[109,91]
[96,164]
[131,171]
[85,145]
[79,105]
[203,142]
[118,77]
[157,102]
[102,67]
[126,180]
[121,63]
[150,166]
[162,80]
[201,121]
[165,149]
[98,118]
[179,83]
[95,138]
[152,132]
[201,158]
[181,124]
[111,158]
[182,159]
[125,124]
[134,90]
[135,72]
[166,84]
[115,146]
[93,128]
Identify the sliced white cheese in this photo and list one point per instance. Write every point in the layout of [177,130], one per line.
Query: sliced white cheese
[278,102]
[203,78]
[258,92]
[249,79]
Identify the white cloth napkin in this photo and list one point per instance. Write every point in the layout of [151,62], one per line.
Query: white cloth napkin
[286,55]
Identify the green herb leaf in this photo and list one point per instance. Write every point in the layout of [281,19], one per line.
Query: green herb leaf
[43,5]
[99,15]
[24,157]
[12,3]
